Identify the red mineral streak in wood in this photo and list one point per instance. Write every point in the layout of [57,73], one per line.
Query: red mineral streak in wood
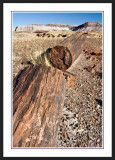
[71,81]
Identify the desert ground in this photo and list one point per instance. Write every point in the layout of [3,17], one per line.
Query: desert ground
[81,124]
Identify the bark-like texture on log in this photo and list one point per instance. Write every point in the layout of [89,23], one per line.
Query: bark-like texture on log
[76,43]
[38,97]
[69,50]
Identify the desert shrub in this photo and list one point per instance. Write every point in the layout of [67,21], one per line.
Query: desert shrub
[42,58]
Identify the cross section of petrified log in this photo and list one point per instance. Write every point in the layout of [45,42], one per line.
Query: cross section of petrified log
[38,97]
[69,50]
[60,57]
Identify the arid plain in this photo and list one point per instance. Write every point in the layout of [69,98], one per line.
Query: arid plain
[81,122]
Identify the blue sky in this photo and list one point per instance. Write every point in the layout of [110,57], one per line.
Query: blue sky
[72,18]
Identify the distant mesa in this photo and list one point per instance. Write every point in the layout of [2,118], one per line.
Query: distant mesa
[70,27]
[89,26]
[46,27]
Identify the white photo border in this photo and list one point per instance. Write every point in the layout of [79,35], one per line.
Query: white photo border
[106,150]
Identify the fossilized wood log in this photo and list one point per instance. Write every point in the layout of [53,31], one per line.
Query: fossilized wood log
[69,50]
[38,97]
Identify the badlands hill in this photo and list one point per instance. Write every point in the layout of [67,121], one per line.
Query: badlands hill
[89,26]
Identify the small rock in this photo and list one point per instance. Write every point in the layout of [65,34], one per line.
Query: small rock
[80,130]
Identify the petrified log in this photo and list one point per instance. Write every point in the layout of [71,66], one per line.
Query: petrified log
[38,97]
[69,50]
